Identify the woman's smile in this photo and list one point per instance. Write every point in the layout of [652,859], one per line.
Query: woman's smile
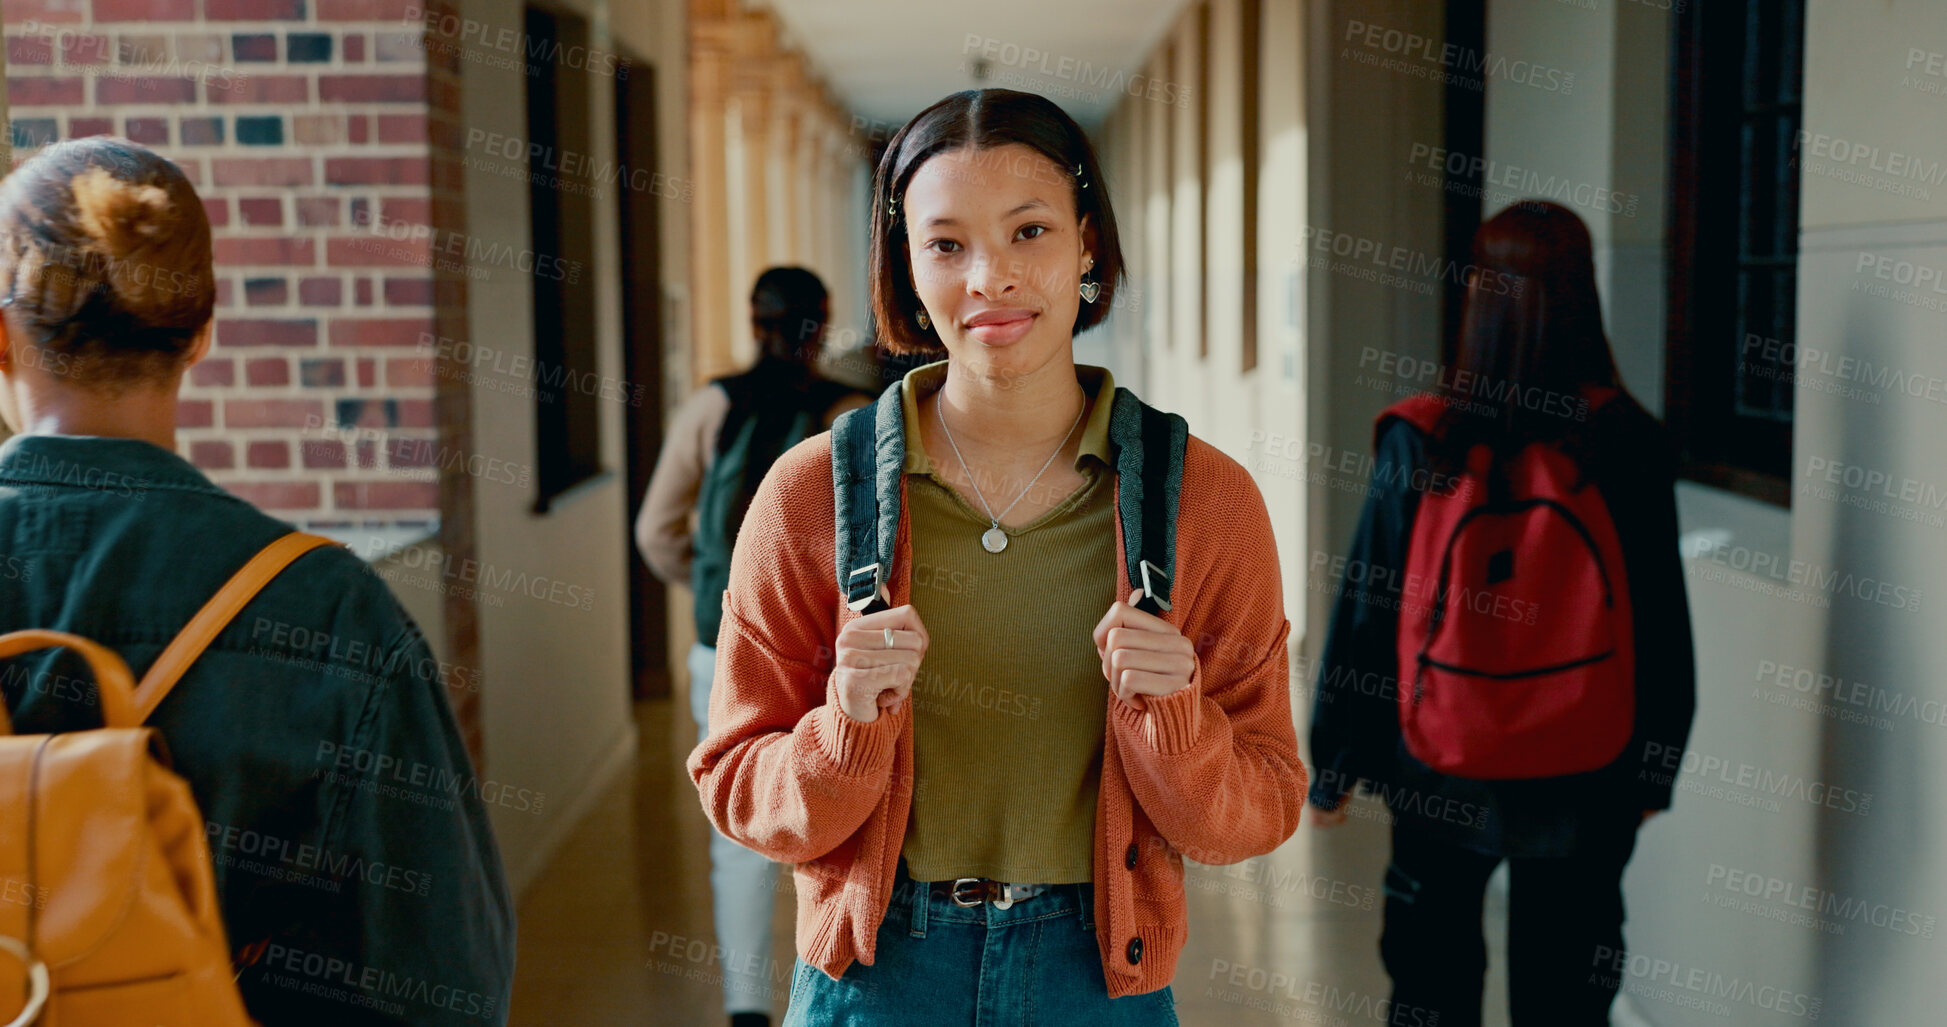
[1001,326]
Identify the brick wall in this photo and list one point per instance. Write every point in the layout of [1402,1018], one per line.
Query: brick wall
[304,125]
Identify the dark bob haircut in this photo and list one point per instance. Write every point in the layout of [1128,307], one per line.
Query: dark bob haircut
[981,119]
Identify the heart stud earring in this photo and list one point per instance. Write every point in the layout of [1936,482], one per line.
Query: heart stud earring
[925,323]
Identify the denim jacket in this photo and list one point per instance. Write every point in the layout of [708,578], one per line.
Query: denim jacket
[356,868]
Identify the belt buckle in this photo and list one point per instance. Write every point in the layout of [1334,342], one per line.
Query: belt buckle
[979,890]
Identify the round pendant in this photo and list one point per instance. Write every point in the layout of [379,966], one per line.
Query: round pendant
[994,539]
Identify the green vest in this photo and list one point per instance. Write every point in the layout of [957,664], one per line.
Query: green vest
[773,406]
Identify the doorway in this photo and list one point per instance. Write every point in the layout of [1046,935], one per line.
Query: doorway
[640,216]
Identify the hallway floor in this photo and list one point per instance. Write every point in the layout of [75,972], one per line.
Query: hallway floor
[1291,937]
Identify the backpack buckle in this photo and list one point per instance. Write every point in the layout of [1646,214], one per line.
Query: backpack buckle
[860,594]
[1149,588]
[38,982]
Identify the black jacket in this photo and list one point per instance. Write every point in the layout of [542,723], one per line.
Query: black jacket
[1355,733]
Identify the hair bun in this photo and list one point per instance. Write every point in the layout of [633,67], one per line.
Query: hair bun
[119,216]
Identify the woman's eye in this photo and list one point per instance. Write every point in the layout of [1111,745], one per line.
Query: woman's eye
[943,246]
[1033,231]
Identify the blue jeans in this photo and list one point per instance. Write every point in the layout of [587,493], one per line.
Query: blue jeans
[743,884]
[940,964]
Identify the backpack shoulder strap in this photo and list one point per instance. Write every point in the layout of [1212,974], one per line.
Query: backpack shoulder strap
[1422,411]
[216,613]
[1148,445]
[868,456]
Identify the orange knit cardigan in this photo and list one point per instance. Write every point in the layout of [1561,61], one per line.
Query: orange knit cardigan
[1211,771]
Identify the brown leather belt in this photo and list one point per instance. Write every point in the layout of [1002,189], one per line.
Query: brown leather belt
[972,891]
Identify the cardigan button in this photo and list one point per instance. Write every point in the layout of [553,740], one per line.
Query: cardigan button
[1129,859]
[1135,951]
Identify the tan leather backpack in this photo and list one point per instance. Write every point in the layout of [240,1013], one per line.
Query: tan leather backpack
[108,909]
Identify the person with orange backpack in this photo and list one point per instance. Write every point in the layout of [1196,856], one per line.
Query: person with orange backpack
[1510,663]
[280,823]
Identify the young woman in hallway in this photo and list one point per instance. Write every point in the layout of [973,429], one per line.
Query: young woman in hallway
[1531,425]
[987,786]
[107,289]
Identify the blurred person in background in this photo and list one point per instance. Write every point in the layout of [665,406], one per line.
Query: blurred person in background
[106,294]
[720,444]
[1510,663]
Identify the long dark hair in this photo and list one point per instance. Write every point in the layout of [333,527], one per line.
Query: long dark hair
[981,119]
[1531,342]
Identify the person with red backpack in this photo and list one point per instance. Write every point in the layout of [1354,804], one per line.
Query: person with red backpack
[1510,661]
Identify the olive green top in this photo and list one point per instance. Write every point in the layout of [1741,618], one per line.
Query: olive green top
[1009,704]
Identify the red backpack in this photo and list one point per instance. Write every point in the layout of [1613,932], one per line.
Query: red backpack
[1514,634]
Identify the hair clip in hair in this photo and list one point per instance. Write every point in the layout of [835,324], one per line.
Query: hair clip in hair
[1078,175]
[892,208]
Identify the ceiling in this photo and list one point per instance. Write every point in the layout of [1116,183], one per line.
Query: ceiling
[889,59]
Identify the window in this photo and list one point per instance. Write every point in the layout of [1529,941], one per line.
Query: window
[1733,241]
[566,420]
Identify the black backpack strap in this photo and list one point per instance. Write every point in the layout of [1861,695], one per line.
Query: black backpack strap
[868,456]
[1148,446]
